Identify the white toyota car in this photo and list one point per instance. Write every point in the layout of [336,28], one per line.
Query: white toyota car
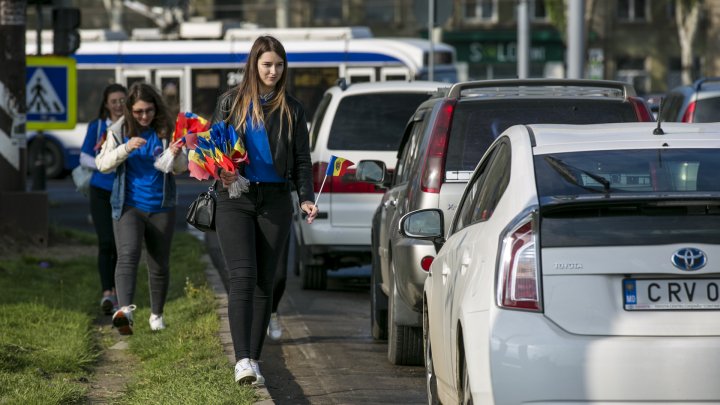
[580,267]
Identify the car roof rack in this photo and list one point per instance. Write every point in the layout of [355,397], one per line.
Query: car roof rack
[706,80]
[542,88]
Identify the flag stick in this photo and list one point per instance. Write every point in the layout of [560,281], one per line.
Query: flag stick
[317,199]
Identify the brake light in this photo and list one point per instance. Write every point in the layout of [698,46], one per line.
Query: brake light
[340,184]
[689,113]
[518,281]
[642,111]
[425,262]
[434,164]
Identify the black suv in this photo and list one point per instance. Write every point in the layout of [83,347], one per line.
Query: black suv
[443,142]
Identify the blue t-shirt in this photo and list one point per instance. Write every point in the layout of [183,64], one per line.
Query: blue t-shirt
[94,139]
[261,168]
[143,182]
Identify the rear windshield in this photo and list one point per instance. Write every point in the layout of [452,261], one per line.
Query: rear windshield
[373,121]
[475,125]
[618,173]
[707,110]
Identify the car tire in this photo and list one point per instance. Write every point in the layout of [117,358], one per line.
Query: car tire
[405,343]
[53,158]
[430,378]
[314,277]
[378,304]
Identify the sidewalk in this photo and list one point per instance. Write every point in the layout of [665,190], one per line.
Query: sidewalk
[215,281]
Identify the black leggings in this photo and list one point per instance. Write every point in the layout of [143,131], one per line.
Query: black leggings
[281,273]
[251,230]
[101,213]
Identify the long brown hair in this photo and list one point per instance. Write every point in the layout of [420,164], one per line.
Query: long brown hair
[111,88]
[249,89]
[161,123]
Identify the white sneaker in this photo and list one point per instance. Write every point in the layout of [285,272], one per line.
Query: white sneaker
[244,373]
[259,379]
[122,319]
[274,330]
[156,322]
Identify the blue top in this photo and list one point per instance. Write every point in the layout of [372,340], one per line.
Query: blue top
[91,145]
[261,168]
[144,183]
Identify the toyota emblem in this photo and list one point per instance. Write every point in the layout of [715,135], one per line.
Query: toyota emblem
[689,259]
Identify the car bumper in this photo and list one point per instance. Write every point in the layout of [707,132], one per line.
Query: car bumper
[533,360]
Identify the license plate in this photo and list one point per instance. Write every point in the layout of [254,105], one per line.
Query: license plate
[673,294]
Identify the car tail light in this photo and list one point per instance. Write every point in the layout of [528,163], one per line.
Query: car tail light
[434,164]
[518,281]
[425,262]
[642,111]
[689,113]
[340,184]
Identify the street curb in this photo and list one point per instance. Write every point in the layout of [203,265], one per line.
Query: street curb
[215,282]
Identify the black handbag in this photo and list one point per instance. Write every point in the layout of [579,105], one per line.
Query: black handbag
[201,213]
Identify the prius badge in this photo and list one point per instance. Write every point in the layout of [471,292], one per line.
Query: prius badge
[689,259]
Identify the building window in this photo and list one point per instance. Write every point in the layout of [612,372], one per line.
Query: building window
[633,10]
[536,11]
[327,11]
[380,11]
[480,10]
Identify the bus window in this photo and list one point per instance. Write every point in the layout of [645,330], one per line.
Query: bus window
[394,73]
[309,84]
[132,76]
[168,82]
[207,86]
[360,75]
[90,87]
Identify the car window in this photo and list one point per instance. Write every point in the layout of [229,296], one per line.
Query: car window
[476,124]
[409,153]
[317,119]
[671,107]
[472,192]
[636,173]
[373,121]
[494,185]
[707,110]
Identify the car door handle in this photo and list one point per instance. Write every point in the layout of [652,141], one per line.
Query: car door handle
[390,203]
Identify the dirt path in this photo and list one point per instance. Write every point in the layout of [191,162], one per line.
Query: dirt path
[114,366]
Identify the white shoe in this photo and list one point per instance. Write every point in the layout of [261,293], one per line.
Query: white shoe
[156,322]
[122,319]
[259,379]
[244,373]
[274,330]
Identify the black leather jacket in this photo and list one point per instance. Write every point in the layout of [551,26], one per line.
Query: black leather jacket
[295,166]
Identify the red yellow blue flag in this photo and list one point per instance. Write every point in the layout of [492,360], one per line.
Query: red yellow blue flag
[337,166]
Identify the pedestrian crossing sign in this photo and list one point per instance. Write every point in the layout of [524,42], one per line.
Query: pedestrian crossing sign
[50,92]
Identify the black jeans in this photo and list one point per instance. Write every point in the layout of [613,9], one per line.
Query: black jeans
[251,231]
[101,213]
[285,262]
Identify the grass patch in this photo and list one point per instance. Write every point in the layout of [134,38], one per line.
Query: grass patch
[48,301]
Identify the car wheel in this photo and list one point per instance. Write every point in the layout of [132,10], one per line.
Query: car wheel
[404,342]
[378,304]
[314,278]
[465,395]
[52,156]
[430,379]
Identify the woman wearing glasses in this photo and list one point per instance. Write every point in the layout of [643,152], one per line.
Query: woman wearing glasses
[143,200]
[111,110]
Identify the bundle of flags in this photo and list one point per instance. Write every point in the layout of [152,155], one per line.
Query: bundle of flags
[218,147]
[187,125]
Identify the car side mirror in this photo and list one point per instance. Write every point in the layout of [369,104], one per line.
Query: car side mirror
[371,171]
[427,224]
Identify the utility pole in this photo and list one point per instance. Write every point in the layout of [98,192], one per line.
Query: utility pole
[23,215]
[431,37]
[523,34]
[281,15]
[576,39]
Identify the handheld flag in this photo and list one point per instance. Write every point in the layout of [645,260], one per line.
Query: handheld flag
[337,166]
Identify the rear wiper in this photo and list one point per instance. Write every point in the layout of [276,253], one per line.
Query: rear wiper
[568,173]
